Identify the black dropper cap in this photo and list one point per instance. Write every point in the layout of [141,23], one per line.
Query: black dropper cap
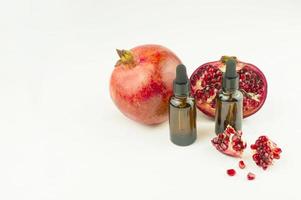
[230,77]
[181,83]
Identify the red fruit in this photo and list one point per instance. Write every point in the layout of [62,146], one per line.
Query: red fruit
[265,151]
[231,172]
[241,164]
[251,176]
[229,142]
[141,82]
[206,82]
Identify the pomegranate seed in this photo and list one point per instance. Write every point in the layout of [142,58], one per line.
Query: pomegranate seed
[203,84]
[217,86]
[276,156]
[241,164]
[193,82]
[200,71]
[251,176]
[263,138]
[230,130]
[198,94]
[210,70]
[277,150]
[248,75]
[231,172]
[196,77]
[256,157]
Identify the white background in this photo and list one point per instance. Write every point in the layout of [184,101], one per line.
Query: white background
[61,137]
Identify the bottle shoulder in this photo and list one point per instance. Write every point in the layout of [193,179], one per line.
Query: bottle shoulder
[233,96]
[182,102]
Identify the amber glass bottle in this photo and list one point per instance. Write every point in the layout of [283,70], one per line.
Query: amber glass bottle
[182,111]
[229,101]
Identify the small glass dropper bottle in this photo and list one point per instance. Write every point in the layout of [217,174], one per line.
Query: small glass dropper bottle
[229,101]
[182,111]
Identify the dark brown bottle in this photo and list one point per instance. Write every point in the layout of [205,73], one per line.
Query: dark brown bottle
[182,111]
[229,101]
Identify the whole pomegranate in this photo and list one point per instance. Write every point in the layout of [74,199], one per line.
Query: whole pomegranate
[206,82]
[141,82]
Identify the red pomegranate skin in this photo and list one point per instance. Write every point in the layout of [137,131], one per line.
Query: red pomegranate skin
[141,83]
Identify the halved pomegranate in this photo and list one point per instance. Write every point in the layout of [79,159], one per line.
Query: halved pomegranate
[206,82]
[265,151]
[229,142]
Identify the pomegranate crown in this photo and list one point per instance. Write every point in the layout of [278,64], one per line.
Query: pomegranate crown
[126,58]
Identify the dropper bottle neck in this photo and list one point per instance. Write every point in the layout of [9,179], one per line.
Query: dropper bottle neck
[181,87]
[230,81]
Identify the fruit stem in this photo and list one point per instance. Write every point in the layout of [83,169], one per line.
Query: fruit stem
[224,59]
[126,58]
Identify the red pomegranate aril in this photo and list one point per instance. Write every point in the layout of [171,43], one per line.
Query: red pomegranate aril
[198,94]
[265,151]
[276,156]
[193,82]
[196,77]
[252,83]
[251,176]
[277,150]
[231,172]
[241,164]
[203,84]
[243,77]
[256,157]
[217,86]
[263,138]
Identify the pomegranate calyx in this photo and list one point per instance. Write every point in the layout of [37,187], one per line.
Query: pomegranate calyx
[126,58]
[224,59]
